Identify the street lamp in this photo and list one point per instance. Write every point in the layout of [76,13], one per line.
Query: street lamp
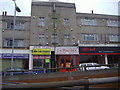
[14,22]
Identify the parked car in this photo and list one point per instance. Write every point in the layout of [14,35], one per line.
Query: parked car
[16,71]
[91,66]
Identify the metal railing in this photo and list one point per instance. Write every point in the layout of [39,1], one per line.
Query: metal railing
[65,69]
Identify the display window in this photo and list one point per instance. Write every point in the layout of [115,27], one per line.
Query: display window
[92,58]
[41,61]
[66,62]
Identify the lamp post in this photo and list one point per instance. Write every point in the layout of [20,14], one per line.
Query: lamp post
[14,22]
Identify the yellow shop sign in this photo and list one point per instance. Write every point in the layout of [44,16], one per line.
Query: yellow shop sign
[38,51]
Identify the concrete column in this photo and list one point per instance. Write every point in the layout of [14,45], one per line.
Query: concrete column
[30,61]
[106,59]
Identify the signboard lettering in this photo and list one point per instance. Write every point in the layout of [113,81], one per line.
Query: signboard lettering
[66,50]
[39,51]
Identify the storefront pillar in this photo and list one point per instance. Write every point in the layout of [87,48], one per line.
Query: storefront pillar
[30,61]
[106,59]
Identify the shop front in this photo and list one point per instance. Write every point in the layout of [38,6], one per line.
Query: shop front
[99,54]
[40,57]
[20,59]
[67,57]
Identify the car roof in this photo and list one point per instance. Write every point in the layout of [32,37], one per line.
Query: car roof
[87,63]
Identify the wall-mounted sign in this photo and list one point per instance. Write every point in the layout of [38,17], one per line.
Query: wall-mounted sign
[42,47]
[15,56]
[99,50]
[67,50]
[39,51]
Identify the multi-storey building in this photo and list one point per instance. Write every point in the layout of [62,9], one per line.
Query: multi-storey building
[56,35]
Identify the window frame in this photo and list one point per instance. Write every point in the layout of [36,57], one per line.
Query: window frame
[90,22]
[17,43]
[41,21]
[66,22]
[86,37]
[114,38]
[41,39]
[66,39]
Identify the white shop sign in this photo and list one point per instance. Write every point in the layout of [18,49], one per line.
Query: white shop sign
[67,50]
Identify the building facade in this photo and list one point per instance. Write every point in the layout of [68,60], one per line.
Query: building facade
[54,30]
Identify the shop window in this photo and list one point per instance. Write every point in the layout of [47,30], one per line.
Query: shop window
[113,59]
[89,58]
[41,61]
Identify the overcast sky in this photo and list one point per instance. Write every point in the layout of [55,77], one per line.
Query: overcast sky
[83,6]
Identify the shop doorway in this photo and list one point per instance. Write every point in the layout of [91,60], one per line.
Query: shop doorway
[66,61]
[101,59]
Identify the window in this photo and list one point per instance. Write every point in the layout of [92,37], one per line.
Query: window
[66,22]
[9,25]
[66,39]
[18,25]
[17,43]
[41,21]
[88,22]
[115,38]
[42,39]
[113,23]
[54,22]
[54,39]
[90,37]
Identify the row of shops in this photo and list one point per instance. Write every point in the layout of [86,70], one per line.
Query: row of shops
[49,57]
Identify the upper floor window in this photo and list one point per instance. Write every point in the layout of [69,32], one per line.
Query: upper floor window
[41,39]
[89,37]
[66,22]
[66,39]
[41,21]
[115,38]
[18,25]
[54,39]
[88,22]
[17,43]
[114,23]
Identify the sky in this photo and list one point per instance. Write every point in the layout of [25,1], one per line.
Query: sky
[109,7]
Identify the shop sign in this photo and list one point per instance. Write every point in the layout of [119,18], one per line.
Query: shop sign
[15,56]
[99,50]
[41,57]
[42,47]
[47,60]
[39,51]
[67,50]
